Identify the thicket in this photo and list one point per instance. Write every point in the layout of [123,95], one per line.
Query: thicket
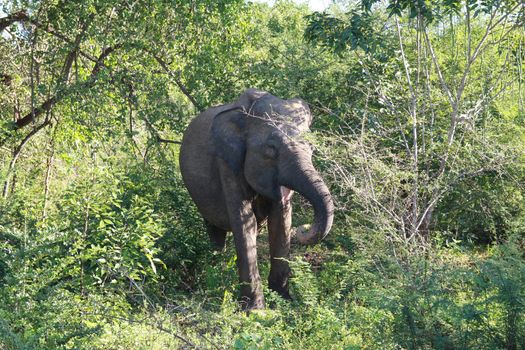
[418,131]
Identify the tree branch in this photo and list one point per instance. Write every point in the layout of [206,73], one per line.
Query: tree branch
[169,141]
[176,79]
[18,150]
[444,84]
[156,134]
[37,111]
[19,16]
[49,103]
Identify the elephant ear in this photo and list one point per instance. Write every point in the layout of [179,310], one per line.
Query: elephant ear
[248,98]
[303,115]
[228,137]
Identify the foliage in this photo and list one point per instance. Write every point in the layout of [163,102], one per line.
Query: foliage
[418,133]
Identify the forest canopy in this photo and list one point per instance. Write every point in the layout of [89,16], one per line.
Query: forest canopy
[418,131]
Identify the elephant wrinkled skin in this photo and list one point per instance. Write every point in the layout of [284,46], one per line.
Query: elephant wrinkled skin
[241,163]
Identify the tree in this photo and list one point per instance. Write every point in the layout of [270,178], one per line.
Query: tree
[437,127]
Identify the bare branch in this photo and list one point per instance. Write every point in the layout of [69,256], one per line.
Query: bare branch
[438,69]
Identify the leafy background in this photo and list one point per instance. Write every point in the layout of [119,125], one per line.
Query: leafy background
[419,134]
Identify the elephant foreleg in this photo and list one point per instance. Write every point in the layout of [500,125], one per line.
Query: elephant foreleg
[244,227]
[279,223]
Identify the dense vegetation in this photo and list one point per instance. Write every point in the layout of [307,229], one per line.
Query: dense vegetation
[419,132]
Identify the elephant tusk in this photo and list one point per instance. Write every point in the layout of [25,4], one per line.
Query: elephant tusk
[286,195]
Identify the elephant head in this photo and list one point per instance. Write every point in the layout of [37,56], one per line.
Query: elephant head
[260,139]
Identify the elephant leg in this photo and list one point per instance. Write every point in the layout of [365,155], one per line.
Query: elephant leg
[217,236]
[244,227]
[245,237]
[279,223]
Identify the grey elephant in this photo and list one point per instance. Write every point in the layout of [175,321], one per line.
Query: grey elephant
[241,163]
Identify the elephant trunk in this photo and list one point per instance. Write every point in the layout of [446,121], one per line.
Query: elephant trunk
[305,180]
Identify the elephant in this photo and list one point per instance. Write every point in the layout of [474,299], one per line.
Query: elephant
[241,162]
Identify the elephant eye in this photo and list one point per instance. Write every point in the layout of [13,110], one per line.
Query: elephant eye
[270,152]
